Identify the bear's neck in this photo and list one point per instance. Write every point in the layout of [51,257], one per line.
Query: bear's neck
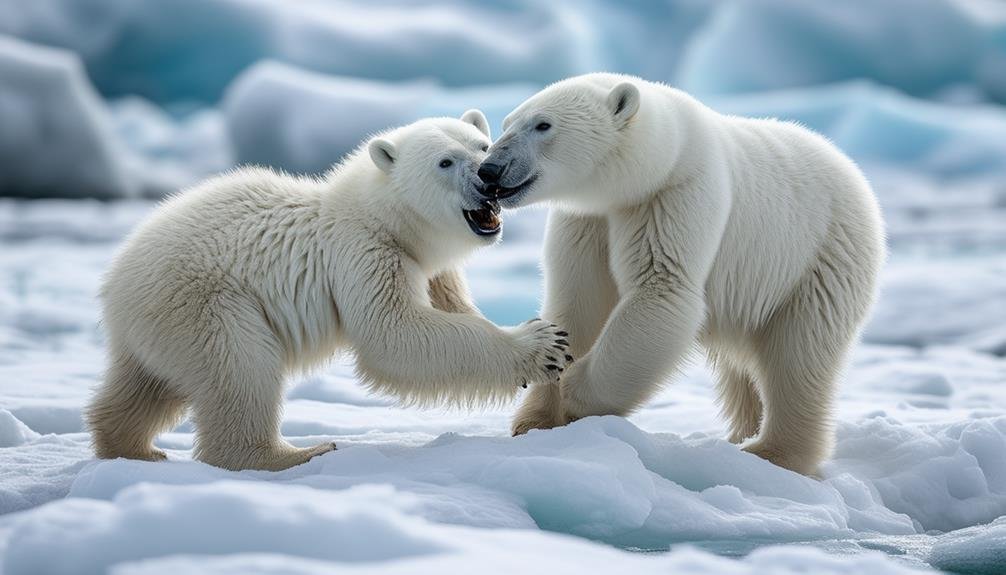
[664,145]
[422,241]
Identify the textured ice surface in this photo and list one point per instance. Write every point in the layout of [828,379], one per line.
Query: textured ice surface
[911,90]
[977,550]
[921,443]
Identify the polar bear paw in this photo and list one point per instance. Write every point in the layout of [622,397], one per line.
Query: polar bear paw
[287,457]
[788,458]
[542,351]
[271,458]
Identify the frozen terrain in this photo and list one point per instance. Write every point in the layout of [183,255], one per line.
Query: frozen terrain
[921,442]
[132,100]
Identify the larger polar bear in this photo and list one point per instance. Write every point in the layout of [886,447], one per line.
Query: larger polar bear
[232,285]
[674,224]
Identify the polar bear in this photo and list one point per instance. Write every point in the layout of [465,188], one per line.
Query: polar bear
[673,224]
[229,287]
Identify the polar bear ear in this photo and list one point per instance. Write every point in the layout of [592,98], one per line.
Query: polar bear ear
[623,101]
[477,119]
[383,153]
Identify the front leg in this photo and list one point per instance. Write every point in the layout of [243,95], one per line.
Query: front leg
[426,356]
[649,332]
[662,253]
[580,293]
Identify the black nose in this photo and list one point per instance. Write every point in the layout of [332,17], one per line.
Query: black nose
[491,173]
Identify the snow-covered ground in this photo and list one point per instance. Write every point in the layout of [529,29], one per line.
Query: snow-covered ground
[920,460]
[130,100]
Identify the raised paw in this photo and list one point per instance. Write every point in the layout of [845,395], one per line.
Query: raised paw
[544,355]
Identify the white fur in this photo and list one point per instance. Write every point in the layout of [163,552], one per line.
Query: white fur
[757,238]
[231,286]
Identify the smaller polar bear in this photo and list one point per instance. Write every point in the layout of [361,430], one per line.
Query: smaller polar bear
[672,224]
[228,288]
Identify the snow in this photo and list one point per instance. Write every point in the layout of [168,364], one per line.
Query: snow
[255,527]
[13,432]
[921,444]
[976,551]
[119,99]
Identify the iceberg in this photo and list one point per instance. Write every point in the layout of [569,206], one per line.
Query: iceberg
[57,138]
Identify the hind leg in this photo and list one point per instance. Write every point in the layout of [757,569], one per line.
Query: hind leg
[739,402]
[801,353]
[238,428]
[237,402]
[130,409]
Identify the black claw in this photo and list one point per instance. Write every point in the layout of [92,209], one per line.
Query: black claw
[524,385]
[569,357]
[562,342]
[562,333]
[550,358]
[552,367]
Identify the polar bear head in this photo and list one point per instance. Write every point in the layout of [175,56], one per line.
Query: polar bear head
[556,144]
[432,167]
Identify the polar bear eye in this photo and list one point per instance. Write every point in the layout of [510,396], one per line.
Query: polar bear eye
[543,127]
[446,163]
[484,148]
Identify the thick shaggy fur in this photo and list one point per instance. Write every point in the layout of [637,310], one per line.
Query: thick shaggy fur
[673,224]
[229,287]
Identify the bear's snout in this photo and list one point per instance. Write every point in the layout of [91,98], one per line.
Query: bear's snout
[491,172]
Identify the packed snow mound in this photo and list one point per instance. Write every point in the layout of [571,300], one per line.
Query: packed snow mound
[13,432]
[601,478]
[604,479]
[944,477]
[979,550]
[56,138]
[302,121]
[242,527]
[505,554]
[755,46]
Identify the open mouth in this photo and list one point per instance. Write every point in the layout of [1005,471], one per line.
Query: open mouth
[486,220]
[499,192]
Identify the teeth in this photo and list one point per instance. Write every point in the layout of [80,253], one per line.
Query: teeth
[492,206]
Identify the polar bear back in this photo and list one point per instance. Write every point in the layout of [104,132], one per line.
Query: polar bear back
[792,192]
[230,235]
